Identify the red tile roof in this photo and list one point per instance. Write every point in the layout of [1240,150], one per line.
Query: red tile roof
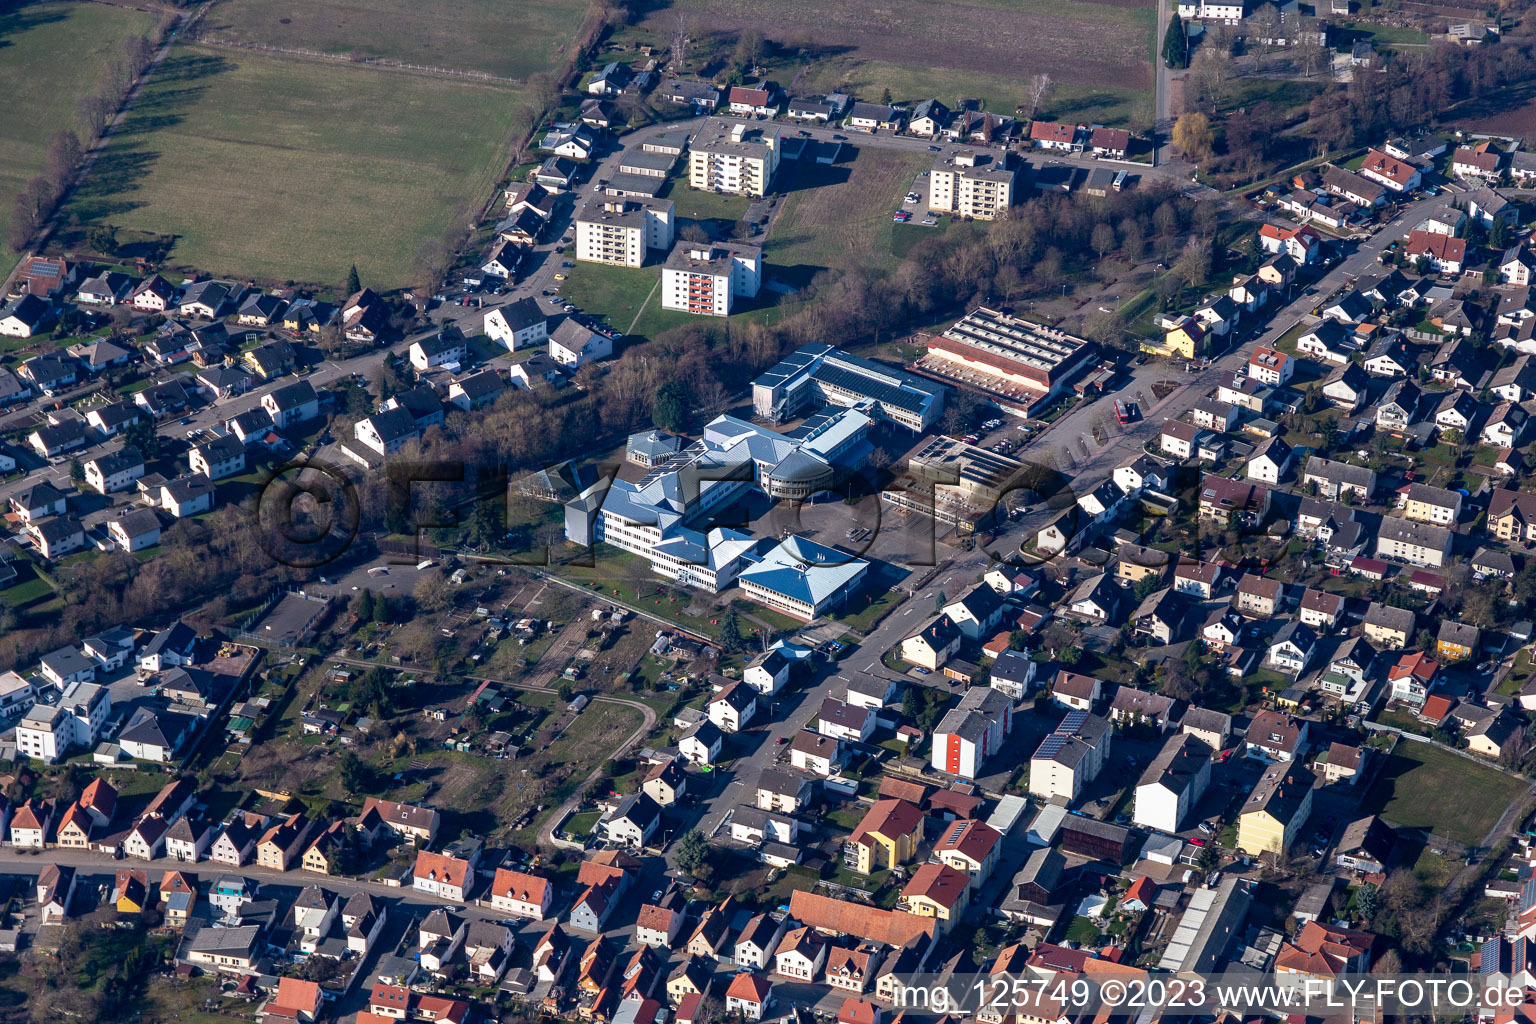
[751,987]
[440,867]
[939,883]
[1442,247]
[865,922]
[1050,131]
[1398,171]
[519,886]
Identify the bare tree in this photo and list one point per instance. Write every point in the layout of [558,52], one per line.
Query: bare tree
[1102,239]
[1311,54]
[1212,72]
[1039,92]
[749,48]
[713,397]
[1266,25]
[681,40]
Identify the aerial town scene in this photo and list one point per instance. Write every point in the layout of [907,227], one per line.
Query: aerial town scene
[690,512]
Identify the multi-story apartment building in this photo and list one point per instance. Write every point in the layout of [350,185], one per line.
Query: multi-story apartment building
[970,184]
[721,161]
[50,732]
[619,232]
[704,277]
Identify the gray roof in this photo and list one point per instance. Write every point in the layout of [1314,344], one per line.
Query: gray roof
[1406,531]
[1178,764]
[66,661]
[1012,667]
[780,783]
[1341,472]
[1206,720]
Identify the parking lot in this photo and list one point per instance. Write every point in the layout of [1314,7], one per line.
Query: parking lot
[914,205]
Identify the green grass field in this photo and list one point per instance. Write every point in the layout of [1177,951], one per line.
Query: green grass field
[631,299]
[696,204]
[1383,35]
[499,38]
[1424,787]
[283,169]
[618,291]
[841,214]
[41,91]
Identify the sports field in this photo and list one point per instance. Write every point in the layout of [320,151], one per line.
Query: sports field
[499,37]
[279,169]
[41,91]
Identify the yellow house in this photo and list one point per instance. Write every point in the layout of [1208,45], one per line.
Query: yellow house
[1490,737]
[130,892]
[937,891]
[688,978]
[1276,810]
[1135,563]
[74,831]
[1185,340]
[887,836]
[1456,640]
[318,857]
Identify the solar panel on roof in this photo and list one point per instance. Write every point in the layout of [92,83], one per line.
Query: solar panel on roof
[1051,746]
[1073,722]
[860,384]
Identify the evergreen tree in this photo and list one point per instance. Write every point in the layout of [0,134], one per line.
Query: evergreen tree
[730,632]
[353,284]
[1176,44]
[692,851]
[669,409]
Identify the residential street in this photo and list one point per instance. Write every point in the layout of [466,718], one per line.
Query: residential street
[1093,470]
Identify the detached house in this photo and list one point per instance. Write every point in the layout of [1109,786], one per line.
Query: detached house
[1335,479]
[1274,736]
[440,874]
[1396,175]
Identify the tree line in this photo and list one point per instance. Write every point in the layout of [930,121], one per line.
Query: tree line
[1405,91]
[35,204]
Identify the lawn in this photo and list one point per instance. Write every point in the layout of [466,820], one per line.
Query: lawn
[1381,35]
[842,213]
[1425,787]
[582,824]
[491,36]
[281,169]
[697,204]
[41,91]
[1082,931]
[620,292]
[1284,96]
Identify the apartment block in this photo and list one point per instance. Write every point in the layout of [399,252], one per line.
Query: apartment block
[733,160]
[704,278]
[619,232]
[970,184]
